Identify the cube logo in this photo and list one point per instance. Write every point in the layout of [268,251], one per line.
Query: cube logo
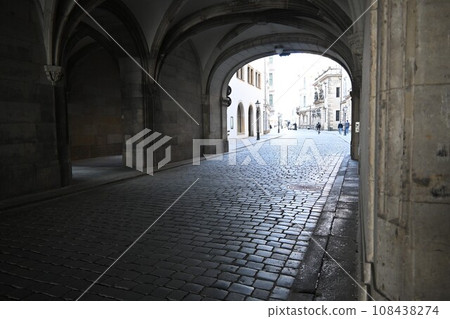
[141,148]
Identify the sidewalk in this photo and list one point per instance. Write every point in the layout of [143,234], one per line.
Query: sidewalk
[321,276]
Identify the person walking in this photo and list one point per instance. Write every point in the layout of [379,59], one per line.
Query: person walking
[318,126]
[347,126]
[340,127]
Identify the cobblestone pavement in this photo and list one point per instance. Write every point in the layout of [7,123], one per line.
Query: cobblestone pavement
[239,233]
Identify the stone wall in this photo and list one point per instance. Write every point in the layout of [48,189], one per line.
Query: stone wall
[180,77]
[405,161]
[28,154]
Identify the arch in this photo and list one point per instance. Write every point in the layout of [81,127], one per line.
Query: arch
[95,124]
[77,42]
[240,116]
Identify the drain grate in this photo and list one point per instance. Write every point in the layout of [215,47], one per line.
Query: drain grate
[304,187]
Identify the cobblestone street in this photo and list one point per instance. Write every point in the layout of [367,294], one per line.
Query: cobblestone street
[240,232]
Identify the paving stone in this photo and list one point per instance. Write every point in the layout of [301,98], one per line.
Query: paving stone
[177,295]
[144,289]
[274,262]
[161,292]
[162,281]
[215,293]
[193,297]
[213,273]
[232,296]
[263,253]
[261,294]
[183,276]
[222,284]
[125,284]
[227,276]
[175,284]
[267,276]
[264,284]
[192,288]
[280,293]
[246,271]
[245,280]
[255,265]
[204,281]
[285,281]
[229,268]
[196,271]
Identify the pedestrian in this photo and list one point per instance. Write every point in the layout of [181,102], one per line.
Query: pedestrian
[340,127]
[318,126]
[347,126]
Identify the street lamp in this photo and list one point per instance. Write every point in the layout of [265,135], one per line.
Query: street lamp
[258,115]
[279,122]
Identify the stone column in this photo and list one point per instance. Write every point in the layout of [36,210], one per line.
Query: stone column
[407,186]
[55,75]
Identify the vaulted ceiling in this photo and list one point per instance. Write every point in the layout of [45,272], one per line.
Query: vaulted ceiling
[224,33]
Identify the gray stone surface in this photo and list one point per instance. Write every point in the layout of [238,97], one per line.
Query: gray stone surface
[329,269]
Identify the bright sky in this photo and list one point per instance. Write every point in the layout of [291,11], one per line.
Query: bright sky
[288,73]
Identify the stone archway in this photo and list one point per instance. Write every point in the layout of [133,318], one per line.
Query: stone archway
[94,102]
[114,87]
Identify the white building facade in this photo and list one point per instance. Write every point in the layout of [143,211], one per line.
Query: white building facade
[327,100]
[250,112]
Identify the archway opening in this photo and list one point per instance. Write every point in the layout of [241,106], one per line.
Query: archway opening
[95,115]
[297,91]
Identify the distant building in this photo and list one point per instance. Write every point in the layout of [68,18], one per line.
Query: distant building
[306,91]
[329,100]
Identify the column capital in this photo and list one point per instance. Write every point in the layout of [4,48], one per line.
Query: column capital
[54,73]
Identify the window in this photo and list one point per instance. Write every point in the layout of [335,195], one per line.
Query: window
[338,115]
[258,79]
[338,92]
[232,122]
[271,99]
[271,79]
[240,74]
[250,75]
[271,60]
[304,101]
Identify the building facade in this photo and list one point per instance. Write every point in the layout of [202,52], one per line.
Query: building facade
[329,100]
[250,110]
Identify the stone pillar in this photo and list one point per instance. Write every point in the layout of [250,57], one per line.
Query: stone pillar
[354,148]
[367,147]
[356,43]
[55,75]
[406,178]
